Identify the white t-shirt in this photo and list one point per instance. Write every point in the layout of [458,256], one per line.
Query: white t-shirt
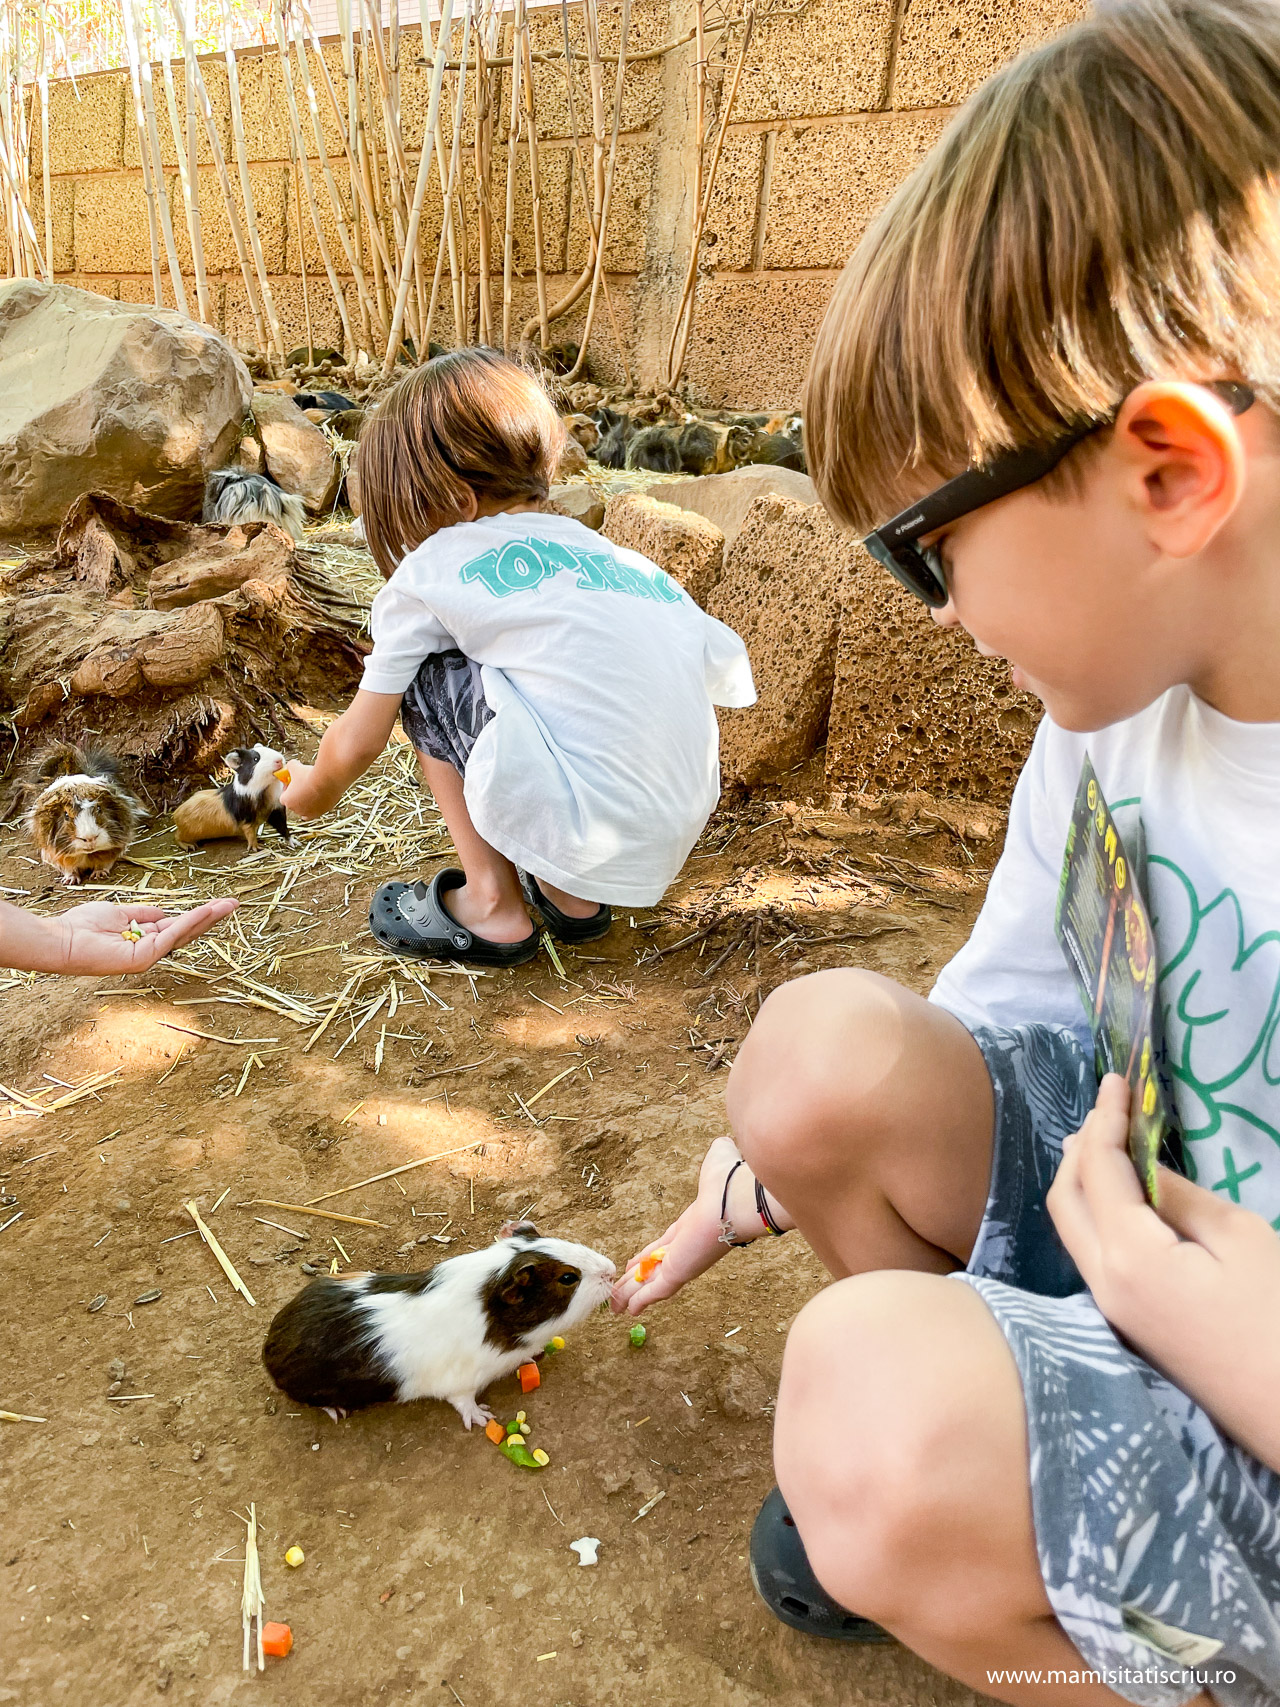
[600,766]
[1203,793]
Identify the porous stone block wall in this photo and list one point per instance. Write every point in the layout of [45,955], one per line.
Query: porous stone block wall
[838,101]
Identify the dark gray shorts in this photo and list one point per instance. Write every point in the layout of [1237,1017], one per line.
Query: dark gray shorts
[444,708]
[1158,1536]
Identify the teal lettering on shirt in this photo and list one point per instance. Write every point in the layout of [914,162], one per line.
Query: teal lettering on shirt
[523,565]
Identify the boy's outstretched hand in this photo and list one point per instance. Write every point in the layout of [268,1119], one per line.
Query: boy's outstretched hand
[1195,1286]
[692,1241]
[90,940]
[300,795]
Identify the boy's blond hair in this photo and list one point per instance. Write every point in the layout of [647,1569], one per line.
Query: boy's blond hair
[1105,210]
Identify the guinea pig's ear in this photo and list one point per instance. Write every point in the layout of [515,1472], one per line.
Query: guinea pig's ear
[517,1230]
[519,1281]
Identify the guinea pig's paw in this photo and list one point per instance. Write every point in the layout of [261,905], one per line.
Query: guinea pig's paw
[472,1412]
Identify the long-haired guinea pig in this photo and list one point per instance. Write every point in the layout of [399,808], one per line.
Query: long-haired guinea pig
[347,1341]
[79,815]
[243,805]
[234,495]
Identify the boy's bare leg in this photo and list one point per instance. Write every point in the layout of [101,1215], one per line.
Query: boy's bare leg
[867,1113]
[490,902]
[573,905]
[919,1516]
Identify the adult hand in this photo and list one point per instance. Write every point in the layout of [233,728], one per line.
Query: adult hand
[1194,1284]
[88,940]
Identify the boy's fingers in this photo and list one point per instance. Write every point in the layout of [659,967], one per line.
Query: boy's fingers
[1070,1213]
[1196,1214]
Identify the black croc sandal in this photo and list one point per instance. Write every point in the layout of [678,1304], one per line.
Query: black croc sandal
[412,919]
[561,926]
[782,1578]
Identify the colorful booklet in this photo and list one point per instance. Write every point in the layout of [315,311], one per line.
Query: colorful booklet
[1105,932]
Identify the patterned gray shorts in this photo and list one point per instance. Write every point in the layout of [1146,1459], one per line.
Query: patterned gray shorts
[444,708]
[1158,1536]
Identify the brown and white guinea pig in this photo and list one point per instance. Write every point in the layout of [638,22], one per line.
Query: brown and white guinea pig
[347,1341]
[79,815]
[242,806]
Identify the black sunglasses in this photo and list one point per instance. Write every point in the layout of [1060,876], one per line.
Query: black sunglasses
[919,567]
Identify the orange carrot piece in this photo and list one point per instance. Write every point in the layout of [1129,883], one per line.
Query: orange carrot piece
[646,1265]
[529,1377]
[277,1639]
[494,1429]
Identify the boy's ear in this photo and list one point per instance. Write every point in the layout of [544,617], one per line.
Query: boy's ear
[1184,459]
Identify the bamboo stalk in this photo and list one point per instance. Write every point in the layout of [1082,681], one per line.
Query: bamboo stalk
[457,222]
[140,124]
[300,154]
[185,20]
[606,204]
[371,167]
[302,258]
[350,243]
[535,180]
[419,194]
[590,200]
[152,140]
[513,144]
[446,218]
[186,176]
[45,169]
[683,327]
[246,187]
[337,207]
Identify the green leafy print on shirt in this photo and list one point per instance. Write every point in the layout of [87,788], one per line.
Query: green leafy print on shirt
[525,563]
[1220,997]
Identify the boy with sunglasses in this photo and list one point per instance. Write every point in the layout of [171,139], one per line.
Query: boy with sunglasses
[1055,362]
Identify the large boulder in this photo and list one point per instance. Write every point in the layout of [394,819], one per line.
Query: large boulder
[725,498]
[781,590]
[915,707]
[140,403]
[685,544]
[299,457]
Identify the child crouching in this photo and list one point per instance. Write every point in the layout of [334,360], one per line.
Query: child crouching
[559,690]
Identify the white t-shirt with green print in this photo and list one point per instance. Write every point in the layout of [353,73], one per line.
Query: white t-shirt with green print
[1201,793]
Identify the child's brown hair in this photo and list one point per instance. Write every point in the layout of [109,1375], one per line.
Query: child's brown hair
[1105,210]
[469,422]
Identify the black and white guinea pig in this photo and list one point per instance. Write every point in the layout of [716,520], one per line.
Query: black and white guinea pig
[347,1341]
[79,815]
[243,805]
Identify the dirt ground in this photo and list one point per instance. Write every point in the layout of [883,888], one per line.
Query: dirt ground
[435,1570]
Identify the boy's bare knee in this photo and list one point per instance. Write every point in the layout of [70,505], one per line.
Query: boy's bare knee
[811,1077]
[867,1457]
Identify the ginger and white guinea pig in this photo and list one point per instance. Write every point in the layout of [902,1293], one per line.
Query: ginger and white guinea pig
[347,1341]
[242,806]
[80,816]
